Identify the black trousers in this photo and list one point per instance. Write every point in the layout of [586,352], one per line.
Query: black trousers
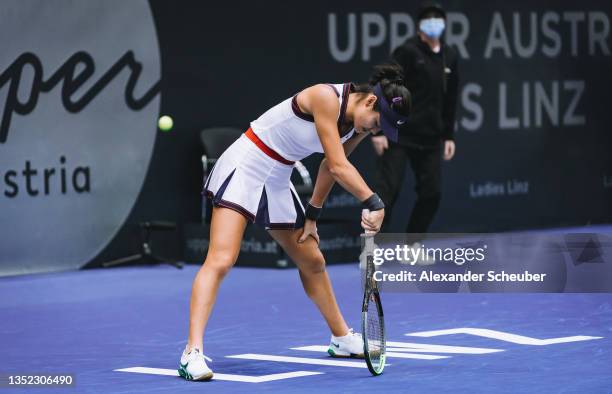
[426,165]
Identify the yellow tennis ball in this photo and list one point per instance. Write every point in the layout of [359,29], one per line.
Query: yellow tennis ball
[165,123]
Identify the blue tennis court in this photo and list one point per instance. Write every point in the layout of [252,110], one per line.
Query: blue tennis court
[454,156]
[265,335]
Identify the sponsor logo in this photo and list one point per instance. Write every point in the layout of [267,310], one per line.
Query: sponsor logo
[511,187]
[79,101]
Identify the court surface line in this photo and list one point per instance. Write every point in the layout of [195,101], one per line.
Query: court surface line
[431,348]
[223,376]
[502,336]
[301,360]
[317,348]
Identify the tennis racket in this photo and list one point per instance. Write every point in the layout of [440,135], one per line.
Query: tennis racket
[372,317]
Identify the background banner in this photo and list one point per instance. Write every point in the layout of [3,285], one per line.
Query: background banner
[80,99]
[82,163]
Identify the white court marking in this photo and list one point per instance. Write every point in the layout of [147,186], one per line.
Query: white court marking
[430,348]
[502,336]
[389,353]
[404,350]
[301,360]
[223,376]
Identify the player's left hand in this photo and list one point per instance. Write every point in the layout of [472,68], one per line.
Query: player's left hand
[449,149]
[310,229]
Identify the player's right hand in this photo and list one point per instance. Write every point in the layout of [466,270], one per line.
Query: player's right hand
[310,229]
[372,221]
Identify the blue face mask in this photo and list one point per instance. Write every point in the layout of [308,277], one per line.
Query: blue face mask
[432,27]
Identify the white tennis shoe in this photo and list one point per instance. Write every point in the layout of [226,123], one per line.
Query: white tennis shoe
[193,366]
[350,345]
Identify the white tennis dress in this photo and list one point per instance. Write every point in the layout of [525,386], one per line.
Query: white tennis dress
[253,175]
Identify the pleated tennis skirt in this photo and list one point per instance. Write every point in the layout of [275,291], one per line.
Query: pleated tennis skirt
[249,180]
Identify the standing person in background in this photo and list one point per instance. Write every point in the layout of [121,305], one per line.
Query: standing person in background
[430,74]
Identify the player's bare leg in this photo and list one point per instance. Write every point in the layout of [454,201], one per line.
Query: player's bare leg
[311,264]
[226,230]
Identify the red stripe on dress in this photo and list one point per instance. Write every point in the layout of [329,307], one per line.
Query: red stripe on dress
[265,148]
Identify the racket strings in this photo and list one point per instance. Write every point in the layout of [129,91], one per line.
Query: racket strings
[374,333]
[373,323]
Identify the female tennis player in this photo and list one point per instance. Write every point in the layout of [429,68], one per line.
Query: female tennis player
[251,182]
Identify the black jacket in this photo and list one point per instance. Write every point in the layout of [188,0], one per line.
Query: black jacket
[432,79]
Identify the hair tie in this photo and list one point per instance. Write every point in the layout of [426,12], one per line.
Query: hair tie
[397,99]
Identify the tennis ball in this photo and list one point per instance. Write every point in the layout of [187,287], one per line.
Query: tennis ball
[165,123]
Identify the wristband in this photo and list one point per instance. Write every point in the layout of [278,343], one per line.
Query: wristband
[313,212]
[373,203]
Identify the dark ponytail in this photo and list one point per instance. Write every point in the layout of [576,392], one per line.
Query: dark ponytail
[391,80]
